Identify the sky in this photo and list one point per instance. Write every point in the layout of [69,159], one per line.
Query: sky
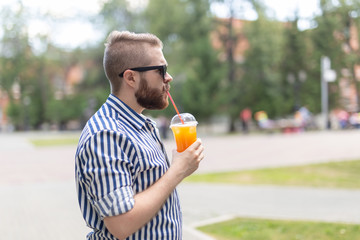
[71,31]
[279,9]
[67,29]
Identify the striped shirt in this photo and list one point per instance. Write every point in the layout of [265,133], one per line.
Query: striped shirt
[119,155]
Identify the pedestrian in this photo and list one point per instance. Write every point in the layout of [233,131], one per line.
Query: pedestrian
[262,119]
[126,186]
[343,118]
[354,119]
[245,118]
[163,126]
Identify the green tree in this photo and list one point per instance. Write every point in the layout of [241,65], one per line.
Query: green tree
[185,28]
[16,62]
[261,82]
[232,85]
[114,15]
[30,77]
[62,111]
[349,28]
[253,81]
[117,15]
[336,36]
[327,44]
[299,88]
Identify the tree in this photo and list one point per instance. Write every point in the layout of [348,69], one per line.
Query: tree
[350,29]
[232,89]
[300,88]
[252,81]
[16,63]
[261,81]
[185,27]
[28,76]
[336,37]
[117,15]
[114,15]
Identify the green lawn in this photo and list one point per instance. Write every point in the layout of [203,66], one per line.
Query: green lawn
[343,174]
[265,229]
[56,141]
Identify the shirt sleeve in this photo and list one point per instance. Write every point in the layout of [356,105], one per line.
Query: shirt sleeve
[108,173]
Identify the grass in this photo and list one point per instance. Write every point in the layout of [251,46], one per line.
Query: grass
[45,142]
[344,174]
[265,229]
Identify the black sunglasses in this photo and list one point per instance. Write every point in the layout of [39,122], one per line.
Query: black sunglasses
[162,68]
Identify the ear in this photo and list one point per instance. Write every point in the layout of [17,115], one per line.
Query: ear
[130,78]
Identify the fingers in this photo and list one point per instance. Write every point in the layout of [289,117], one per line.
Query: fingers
[201,153]
[198,149]
[196,144]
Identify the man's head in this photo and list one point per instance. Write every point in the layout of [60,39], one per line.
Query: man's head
[136,69]
[125,50]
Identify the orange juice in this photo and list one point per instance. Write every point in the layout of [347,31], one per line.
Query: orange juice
[185,135]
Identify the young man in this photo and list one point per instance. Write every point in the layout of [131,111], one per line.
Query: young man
[125,183]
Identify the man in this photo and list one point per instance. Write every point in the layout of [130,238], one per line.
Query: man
[245,117]
[126,185]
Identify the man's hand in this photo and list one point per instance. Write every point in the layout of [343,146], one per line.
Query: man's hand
[188,161]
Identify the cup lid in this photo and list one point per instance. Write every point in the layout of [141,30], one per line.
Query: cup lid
[186,117]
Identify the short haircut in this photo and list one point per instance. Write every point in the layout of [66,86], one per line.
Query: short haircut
[124,50]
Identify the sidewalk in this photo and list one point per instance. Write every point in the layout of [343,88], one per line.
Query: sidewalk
[239,152]
[38,198]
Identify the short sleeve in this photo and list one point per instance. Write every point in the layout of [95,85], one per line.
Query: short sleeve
[108,173]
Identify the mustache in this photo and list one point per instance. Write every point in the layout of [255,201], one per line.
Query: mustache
[166,88]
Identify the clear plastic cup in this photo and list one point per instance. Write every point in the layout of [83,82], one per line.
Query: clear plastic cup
[184,132]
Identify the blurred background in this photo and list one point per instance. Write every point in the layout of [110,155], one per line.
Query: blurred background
[225,56]
[239,66]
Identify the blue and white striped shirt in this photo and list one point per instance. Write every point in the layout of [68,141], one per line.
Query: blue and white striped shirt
[119,155]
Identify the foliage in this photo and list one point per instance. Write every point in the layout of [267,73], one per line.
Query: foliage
[208,78]
[332,38]
[23,74]
[59,111]
[14,111]
[295,71]
[262,67]
[115,15]
[185,28]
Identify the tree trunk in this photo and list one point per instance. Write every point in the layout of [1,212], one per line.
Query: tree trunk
[231,73]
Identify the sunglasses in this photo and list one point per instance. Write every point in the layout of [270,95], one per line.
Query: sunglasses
[162,68]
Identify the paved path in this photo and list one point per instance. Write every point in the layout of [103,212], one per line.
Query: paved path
[273,150]
[38,200]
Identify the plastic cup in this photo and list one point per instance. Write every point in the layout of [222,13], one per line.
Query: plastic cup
[184,132]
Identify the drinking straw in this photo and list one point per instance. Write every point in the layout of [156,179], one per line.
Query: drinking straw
[168,93]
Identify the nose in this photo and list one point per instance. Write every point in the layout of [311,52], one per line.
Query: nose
[168,78]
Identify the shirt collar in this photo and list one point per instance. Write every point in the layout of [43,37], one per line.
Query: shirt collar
[137,120]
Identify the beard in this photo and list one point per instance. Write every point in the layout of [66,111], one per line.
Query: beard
[151,98]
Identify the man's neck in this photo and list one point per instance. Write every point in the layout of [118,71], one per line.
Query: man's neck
[130,101]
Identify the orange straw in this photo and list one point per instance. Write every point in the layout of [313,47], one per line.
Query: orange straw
[175,107]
